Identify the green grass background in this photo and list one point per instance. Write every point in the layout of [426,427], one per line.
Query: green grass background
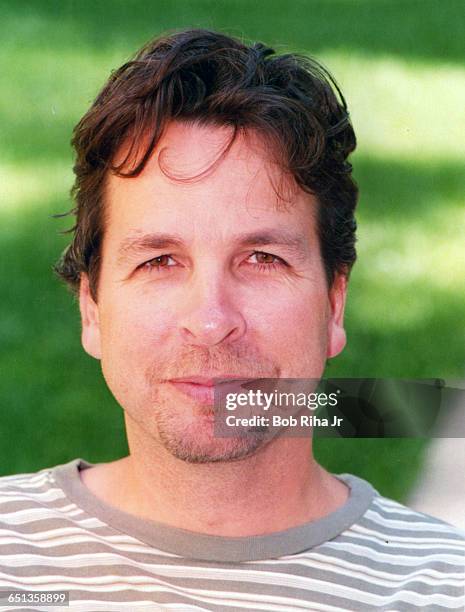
[401,65]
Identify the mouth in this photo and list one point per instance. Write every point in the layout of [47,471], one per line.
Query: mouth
[202,389]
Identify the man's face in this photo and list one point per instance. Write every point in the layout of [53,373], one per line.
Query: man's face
[209,277]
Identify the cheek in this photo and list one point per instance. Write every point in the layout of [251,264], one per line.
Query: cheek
[134,339]
[131,331]
[294,325]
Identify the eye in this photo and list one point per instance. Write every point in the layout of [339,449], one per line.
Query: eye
[267,261]
[157,263]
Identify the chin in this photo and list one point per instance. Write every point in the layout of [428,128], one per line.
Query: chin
[195,442]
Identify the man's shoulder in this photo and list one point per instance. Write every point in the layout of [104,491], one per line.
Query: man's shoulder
[23,477]
[19,480]
[18,491]
[395,522]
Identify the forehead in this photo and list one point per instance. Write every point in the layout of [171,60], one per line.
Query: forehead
[198,177]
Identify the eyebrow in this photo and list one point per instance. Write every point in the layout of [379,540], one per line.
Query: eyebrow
[139,243]
[280,237]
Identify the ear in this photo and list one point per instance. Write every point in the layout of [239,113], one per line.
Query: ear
[336,331]
[90,336]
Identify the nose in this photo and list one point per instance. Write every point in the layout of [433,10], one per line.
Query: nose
[211,315]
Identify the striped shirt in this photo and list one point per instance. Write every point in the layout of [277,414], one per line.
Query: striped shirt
[371,554]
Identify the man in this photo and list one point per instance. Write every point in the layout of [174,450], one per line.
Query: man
[214,238]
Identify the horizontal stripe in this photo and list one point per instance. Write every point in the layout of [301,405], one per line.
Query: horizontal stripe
[413,559]
[32,477]
[416,526]
[189,572]
[402,541]
[45,496]
[30,515]
[345,567]
[56,547]
[111,583]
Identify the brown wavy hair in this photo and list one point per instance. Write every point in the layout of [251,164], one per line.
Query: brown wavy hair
[290,100]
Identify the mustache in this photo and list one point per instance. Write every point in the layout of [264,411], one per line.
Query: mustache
[243,362]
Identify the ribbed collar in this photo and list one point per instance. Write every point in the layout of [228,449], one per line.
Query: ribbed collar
[190,544]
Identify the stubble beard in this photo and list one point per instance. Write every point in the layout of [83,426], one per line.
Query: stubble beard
[196,442]
[185,429]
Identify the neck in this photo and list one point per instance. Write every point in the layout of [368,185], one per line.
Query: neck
[279,487]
